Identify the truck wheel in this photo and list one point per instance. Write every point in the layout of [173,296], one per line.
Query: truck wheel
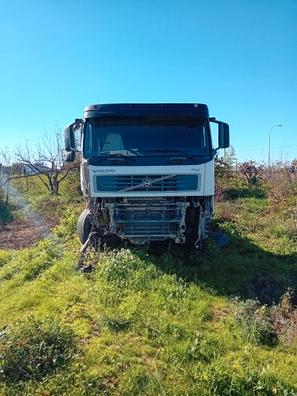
[84,225]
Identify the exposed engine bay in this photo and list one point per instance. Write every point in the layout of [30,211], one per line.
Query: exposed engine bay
[141,220]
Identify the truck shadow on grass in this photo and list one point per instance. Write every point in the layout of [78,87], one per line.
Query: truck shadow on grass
[241,269]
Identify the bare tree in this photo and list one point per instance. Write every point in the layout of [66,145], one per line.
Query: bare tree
[45,161]
[252,172]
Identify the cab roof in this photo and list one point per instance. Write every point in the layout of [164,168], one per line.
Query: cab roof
[147,109]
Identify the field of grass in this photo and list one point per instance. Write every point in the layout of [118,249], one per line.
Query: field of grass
[154,321]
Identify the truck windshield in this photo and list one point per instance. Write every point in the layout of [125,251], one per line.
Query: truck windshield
[149,137]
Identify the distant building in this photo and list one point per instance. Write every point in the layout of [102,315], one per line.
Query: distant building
[35,169]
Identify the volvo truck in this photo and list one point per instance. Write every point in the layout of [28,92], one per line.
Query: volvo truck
[146,171]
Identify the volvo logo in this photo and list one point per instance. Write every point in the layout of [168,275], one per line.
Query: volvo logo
[147,182]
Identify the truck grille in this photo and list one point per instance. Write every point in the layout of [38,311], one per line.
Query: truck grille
[153,230]
[150,183]
[142,221]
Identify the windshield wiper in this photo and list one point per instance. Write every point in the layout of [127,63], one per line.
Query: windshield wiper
[135,151]
[184,153]
[111,156]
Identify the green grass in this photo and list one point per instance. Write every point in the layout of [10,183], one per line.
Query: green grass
[155,322]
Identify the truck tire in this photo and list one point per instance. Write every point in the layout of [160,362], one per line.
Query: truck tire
[84,225]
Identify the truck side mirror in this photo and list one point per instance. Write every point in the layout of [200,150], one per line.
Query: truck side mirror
[69,140]
[69,156]
[224,137]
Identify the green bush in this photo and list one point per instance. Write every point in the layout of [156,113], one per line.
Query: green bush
[6,213]
[68,223]
[256,322]
[4,257]
[35,348]
[47,205]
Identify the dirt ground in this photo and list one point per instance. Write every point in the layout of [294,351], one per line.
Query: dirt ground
[18,234]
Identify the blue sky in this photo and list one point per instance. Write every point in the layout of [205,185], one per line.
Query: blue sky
[237,56]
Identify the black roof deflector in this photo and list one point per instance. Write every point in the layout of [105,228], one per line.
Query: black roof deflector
[149,109]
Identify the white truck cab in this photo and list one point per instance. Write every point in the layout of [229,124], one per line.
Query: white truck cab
[147,171]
